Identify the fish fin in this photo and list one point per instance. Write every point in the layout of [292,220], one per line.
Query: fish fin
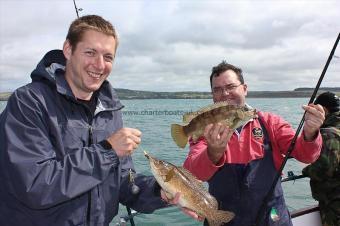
[178,135]
[237,122]
[187,117]
[219,217]
[240,114]
[211,107]
[169,175]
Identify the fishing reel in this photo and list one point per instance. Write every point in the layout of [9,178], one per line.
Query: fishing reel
[134,188]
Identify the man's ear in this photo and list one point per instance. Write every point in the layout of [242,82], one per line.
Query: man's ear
[245,88]
[67,49]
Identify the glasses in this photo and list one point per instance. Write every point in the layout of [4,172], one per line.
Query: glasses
[229,88]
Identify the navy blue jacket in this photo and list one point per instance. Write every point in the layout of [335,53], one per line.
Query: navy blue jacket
[53,168]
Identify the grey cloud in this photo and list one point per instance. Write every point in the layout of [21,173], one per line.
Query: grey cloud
[172,45]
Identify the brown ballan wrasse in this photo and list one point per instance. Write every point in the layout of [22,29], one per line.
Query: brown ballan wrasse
[193,195]
[231,115]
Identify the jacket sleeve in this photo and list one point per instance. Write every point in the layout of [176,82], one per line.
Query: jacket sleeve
[281,134]
[198,162]
[148,198]
[33,173]
[327,167]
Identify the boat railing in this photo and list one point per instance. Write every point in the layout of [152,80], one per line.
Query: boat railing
[304,211]
[291,176]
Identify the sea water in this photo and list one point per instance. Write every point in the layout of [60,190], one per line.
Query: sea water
[154,117]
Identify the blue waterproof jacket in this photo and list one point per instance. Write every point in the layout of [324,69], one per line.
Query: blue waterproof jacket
[53,168]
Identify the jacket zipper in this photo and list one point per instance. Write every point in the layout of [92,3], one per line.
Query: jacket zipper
[90,116]
[89,200]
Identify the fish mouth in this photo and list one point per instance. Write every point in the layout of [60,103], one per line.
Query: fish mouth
[146,155]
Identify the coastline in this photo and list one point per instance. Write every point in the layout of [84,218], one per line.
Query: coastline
[126,94]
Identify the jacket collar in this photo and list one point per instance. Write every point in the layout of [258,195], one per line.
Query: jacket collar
[107,97]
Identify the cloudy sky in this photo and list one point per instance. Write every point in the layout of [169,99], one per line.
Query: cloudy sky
[171,45]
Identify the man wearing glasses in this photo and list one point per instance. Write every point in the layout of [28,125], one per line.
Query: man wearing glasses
[241,170]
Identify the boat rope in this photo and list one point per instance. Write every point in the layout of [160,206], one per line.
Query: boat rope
[262,210]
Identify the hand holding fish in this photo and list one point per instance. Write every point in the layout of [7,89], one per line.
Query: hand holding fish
[217,136]
[125,141]
[175,201]
[314,118]
[182,188]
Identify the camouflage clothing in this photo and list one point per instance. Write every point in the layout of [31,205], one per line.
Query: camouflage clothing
[325,172]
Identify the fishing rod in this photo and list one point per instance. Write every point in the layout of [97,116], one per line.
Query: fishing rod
[262,209]
[77,9]
[132,222]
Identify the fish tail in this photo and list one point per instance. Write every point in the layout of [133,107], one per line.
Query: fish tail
[178,135]
[219,217]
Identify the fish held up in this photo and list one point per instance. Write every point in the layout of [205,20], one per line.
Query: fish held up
[193,194]
[232,116]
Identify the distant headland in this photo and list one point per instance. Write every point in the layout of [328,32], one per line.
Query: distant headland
[127,94]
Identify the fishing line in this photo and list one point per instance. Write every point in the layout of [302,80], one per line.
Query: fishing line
[134,190]
[262,209]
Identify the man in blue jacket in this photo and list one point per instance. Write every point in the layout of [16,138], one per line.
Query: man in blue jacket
[64,155]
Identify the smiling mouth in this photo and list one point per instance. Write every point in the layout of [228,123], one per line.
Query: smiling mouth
[94,75]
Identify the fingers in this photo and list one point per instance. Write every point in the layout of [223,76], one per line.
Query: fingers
[225,135]
[315,114]
[192,214]
[175,201]
[314,110]
[216,131]
[314,118]
[216,134]
[125,141]
[134,139]
[176,198]
[207,130]
[166,198]
[133,131]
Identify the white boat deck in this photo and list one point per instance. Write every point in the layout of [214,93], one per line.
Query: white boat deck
[307,217]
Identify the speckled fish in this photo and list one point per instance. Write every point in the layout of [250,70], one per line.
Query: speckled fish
[194,195]
[194,123]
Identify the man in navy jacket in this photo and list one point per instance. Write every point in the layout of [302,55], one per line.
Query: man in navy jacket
[64,155]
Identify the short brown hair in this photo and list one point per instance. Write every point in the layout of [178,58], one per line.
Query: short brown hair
[224,66]
[89,22]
